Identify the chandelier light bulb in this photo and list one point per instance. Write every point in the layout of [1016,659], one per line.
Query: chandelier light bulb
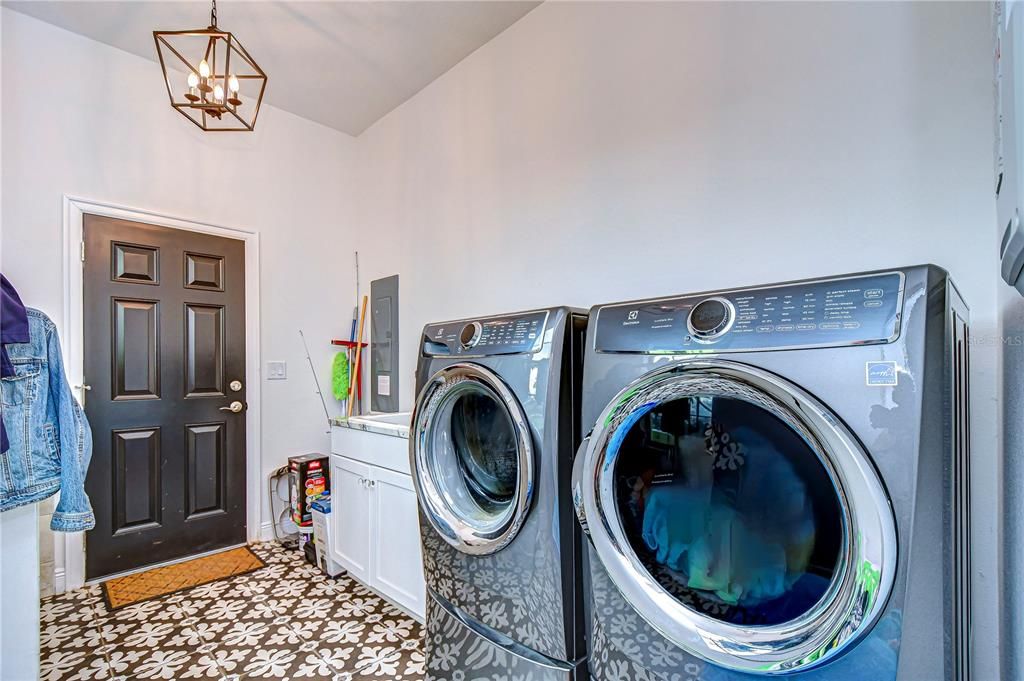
[204,69]
[233,97]
[218,93]
[193,92]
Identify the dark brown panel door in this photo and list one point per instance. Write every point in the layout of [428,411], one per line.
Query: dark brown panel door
[164,344]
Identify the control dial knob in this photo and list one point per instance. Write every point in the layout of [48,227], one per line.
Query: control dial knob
[710,318]
[470,334]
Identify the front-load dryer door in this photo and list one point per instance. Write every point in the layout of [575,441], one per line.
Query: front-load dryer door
[738,516]
[472,458]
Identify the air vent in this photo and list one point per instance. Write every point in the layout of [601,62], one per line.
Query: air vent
[961,491]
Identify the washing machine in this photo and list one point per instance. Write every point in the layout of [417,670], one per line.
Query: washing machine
[776,483]
[494,432]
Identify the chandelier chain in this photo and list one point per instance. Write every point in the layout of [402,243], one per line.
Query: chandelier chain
[213,14]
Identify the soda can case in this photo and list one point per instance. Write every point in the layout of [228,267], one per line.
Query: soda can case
[310,479]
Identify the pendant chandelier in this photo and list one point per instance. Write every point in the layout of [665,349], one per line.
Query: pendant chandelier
[210,77]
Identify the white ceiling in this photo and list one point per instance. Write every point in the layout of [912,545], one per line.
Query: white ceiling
[343,64]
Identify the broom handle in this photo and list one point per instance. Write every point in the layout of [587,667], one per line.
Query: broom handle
[359,352]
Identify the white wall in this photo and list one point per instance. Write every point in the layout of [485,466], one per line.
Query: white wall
[88,120]
[598,152]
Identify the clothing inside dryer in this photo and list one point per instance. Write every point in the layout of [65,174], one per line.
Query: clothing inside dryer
[729,508]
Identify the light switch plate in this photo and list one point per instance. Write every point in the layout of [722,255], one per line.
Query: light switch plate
[277,371]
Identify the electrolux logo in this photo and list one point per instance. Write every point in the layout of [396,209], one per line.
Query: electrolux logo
[881,373]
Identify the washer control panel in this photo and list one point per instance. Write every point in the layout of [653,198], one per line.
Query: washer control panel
[502,335]
[846,311]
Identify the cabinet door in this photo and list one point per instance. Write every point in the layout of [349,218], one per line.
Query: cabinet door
[397,565]
[350,510]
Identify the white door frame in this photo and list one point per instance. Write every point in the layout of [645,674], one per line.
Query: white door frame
[69,573]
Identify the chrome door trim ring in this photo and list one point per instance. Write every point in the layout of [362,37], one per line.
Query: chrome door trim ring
[858,592]
[452,527]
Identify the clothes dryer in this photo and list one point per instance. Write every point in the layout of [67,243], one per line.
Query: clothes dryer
[776,482]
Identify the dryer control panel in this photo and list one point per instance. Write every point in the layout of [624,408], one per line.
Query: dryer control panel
[504,335]
[846,311]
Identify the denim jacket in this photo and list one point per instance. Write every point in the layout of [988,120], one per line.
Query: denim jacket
[50,440]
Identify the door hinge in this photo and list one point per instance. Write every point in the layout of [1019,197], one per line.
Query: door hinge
[81,249]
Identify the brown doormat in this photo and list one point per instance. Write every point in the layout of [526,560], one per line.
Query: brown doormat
[144,586]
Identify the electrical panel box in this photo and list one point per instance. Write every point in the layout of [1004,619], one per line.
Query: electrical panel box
[384,344]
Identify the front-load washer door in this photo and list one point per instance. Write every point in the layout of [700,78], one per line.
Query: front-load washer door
[738,516]
[472,458]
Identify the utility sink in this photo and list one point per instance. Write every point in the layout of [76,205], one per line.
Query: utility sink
[398,418]
[395,424]
[375,439]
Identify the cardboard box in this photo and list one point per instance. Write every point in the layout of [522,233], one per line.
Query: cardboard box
[309,479]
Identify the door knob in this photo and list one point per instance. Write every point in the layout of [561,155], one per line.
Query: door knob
[234,407]
[84,388]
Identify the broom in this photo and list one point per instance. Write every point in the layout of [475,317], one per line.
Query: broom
[359,352]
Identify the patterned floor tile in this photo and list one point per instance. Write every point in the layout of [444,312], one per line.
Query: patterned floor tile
[401,663]
[286,621]
[72,665]
[406,663]
[285,662]
[69,639]
[413,666]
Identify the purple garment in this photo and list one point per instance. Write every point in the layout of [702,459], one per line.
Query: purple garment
[13,329]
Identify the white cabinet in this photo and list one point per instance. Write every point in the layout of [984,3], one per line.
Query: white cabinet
[350,513]
[376,523]
[396,561]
